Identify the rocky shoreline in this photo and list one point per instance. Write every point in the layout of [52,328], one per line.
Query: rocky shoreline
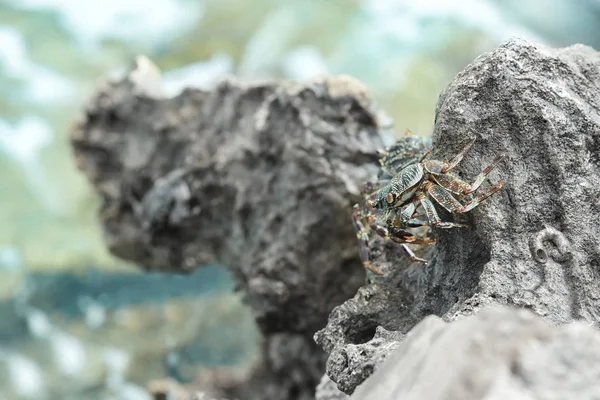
[262,178]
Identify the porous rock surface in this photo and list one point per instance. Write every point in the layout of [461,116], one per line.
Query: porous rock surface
[535,244]
[259,177]
[500,353]
[327,390]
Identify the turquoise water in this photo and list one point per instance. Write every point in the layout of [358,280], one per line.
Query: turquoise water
[52,53]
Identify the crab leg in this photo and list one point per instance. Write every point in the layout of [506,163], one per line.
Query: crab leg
[396,235]
[402,237]
[406,216]
[446,200]
[407,212]
[475,202]
[481,177]
[424,156]
[412,255]
[362,235]
[452,183]
[432,215]
[457,186]
[415,223]
[458,158]
[436,167]
[443,197]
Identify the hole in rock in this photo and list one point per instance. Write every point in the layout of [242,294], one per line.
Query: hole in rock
[363,335]
[540,254]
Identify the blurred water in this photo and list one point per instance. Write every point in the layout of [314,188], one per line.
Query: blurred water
[75,322]
[97,329]
[89,23]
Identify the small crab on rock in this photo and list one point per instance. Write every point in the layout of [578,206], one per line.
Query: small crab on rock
[399,205]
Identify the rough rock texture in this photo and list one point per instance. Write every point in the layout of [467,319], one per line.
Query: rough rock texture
[259,177]
[535,243]
[327,390]
[262,178]
[501,353]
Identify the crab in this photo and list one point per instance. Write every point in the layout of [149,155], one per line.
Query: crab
[400,202]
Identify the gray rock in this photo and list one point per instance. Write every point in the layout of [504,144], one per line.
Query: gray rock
[263,177]
[259,177]
[501,353]
[356,362]
[327,390]
[535,243]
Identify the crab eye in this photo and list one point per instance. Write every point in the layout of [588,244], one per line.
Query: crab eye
[391,198]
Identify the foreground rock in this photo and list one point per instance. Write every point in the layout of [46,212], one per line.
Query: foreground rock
[500,353]
[259,177]
[534,245]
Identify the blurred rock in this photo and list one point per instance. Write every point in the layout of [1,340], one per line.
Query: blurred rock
[261,177]
[500,353]
[327,390]
[534,244]
[250,166]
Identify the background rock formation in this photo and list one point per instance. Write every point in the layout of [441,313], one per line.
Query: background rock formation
[535,243]
[259,177]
